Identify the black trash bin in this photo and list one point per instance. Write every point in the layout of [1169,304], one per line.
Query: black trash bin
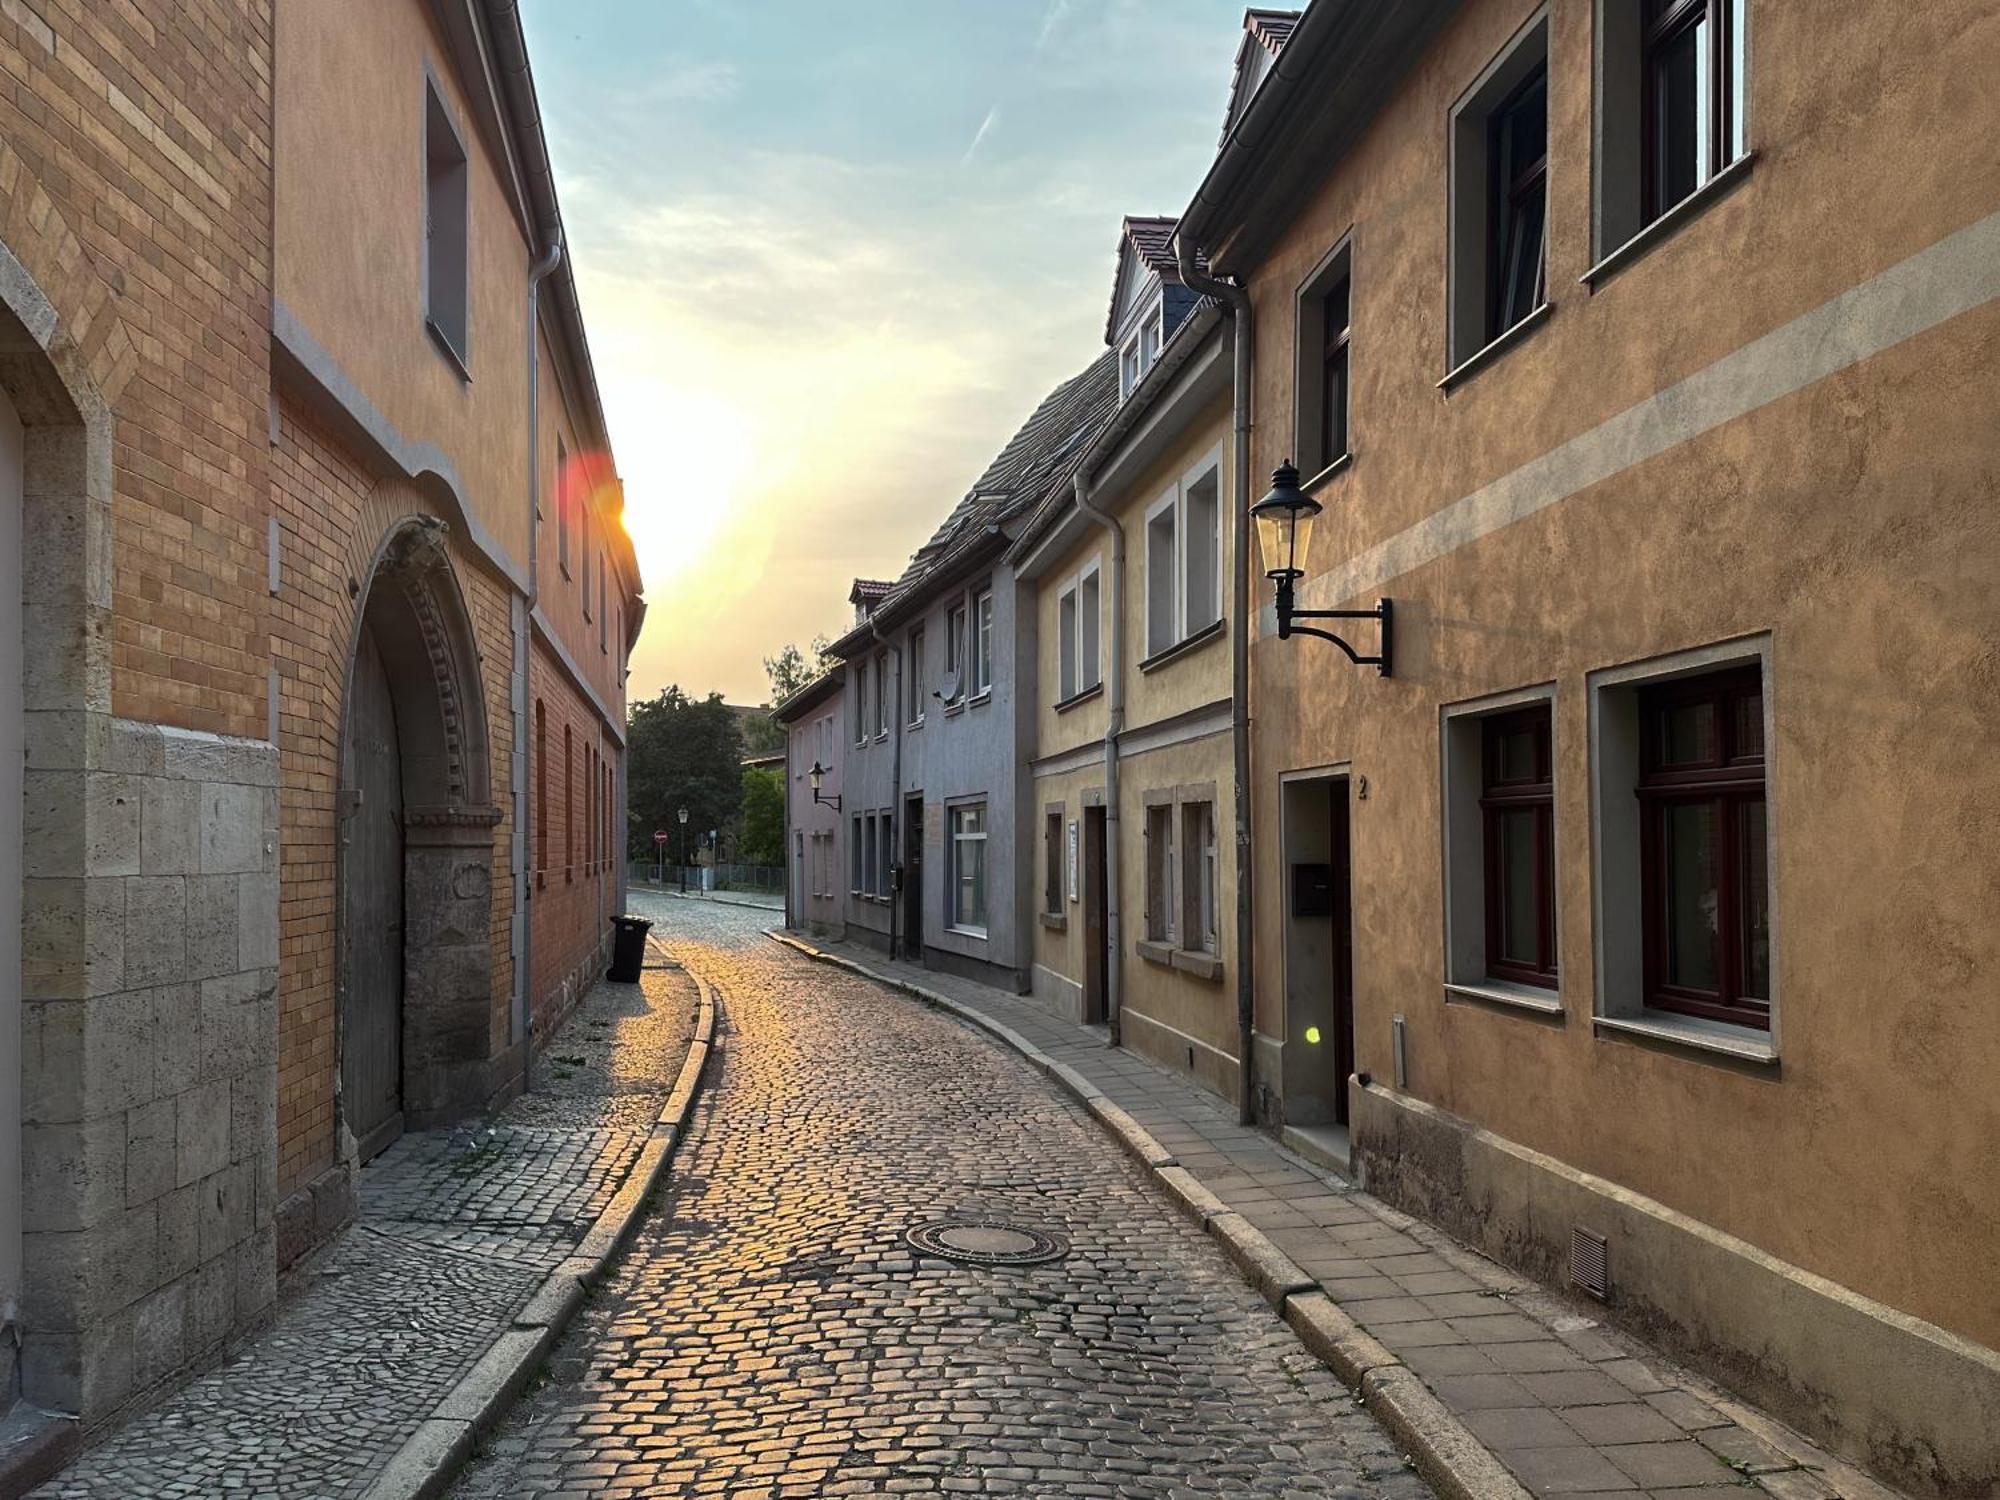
[628,949]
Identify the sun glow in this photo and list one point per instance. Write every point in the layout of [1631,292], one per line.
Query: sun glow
[683,456]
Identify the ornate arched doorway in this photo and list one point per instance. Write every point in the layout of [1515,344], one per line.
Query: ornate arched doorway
[416,850]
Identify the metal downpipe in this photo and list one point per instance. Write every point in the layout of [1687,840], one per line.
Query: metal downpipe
[1237,301]
[1114,726]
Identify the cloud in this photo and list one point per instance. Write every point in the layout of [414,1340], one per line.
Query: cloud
[1051,19]
[985,125]
[696,83]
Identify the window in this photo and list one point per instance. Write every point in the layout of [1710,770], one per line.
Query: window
[1499,195]
[1052,858]
[982,642]
[968,868]
[881,692]
[854,856]
[1324,307]
[1703,848]
[915,710]
[589,807]
[1517,804]
[603,617]
[569,805]
[583,538]
[1079,626]
[861,703]
[1160,900]
[541,792]
[885,866]
[446,288]
[870,875]
[1183,559]
[1198,875]
[563,502]
[954,653]
[1141,350]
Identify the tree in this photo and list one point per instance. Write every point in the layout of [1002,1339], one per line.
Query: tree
[681,752]
[762,837]
[791,669]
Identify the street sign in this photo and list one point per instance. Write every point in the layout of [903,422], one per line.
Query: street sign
[659,835]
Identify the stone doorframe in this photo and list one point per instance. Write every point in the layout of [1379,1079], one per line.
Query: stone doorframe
[423,628]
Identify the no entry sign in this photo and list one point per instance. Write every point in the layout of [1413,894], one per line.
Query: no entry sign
[659,835]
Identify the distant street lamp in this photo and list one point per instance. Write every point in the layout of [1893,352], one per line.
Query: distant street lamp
[817,775]
[683,816]
[1284,520]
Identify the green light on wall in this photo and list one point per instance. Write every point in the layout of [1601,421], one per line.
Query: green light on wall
[1312,1035]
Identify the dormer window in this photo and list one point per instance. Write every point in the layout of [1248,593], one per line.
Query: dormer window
[1142,347]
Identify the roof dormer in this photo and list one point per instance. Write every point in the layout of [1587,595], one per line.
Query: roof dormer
[1148,300]
[1265,33]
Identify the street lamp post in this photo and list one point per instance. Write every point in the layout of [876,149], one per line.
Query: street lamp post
[1284,520]
[683,816]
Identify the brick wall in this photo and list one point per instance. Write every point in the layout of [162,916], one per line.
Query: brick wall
[574,892]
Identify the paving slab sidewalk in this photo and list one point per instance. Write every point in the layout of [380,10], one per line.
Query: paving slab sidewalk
[1566,1404]
[472,1248]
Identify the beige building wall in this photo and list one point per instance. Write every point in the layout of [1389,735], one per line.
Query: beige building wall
[1773,427]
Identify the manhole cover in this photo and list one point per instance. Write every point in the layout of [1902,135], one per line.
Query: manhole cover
[985,1242]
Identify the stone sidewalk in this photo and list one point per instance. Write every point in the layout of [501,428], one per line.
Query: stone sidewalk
[458,1229]
[1569,1406]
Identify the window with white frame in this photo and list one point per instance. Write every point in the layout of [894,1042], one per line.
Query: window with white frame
[967,897]
[914,711]
[861,703]
[1160,868]
[870,874]
[982,642]
[954,652]
[1198,875]
[1184,558]
[1078,631]
[881,692]
[1141,349]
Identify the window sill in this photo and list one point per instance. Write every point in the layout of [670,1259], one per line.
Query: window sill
[1095,690]
[980,698]
[1669,223]
[1154,953]
[1055,921]
[1187,647]
[448,349]
[880,737]
[1472,364]
[968,932]
[916,723]
[1331,472]
[952,710]
[1687,1031]
[1198,963]
[1502,992]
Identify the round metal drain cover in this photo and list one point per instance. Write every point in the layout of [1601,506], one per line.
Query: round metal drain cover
[985,1242]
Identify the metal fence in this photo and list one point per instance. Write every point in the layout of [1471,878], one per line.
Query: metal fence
[769,879]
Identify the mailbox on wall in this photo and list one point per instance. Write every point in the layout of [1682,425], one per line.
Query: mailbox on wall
[1312,890]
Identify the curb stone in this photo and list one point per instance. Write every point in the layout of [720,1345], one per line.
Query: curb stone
[1456,1463]
[432,1455]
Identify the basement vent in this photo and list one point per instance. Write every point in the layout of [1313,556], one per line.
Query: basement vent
[1587,1263]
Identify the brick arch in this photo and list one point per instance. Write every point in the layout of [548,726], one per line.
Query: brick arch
[412,609]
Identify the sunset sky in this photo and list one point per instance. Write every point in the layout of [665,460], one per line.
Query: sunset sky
[830,255]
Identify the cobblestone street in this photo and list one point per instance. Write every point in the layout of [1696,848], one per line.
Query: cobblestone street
[457,1228]
[769,1333]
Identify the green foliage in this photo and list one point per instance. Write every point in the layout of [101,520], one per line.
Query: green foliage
[761,840]
[681,752]
[791,669]
[762,735]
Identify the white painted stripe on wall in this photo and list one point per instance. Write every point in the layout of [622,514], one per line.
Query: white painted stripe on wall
[1953,276]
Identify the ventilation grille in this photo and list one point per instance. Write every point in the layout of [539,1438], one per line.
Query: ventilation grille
[1587,1262]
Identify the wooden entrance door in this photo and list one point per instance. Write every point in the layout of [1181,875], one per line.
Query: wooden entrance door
[913,880]
[371,1038]
[1096,950]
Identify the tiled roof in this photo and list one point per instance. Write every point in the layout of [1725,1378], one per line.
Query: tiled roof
[869,589]
[1037,460]
[1270,29]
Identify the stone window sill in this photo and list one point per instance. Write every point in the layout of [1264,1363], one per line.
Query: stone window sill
[1502,992]
[982,697]
[1473,363]
[1332,471]
[1187,647]
[1095,690]
[1698,1035]
[1055,921]
[457,360]
[1188,961]
[953,710]
[1696,203]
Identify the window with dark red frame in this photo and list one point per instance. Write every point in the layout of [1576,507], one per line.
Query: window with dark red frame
[1333,376]
[1517,802]
[1518,173]
[1702,840]
[1691,58]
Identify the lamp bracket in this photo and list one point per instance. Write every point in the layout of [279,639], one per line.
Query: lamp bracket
[1383,614]
[832,802]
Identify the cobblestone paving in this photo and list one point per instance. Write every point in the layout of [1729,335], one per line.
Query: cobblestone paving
[767,1333]
[458,1228]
